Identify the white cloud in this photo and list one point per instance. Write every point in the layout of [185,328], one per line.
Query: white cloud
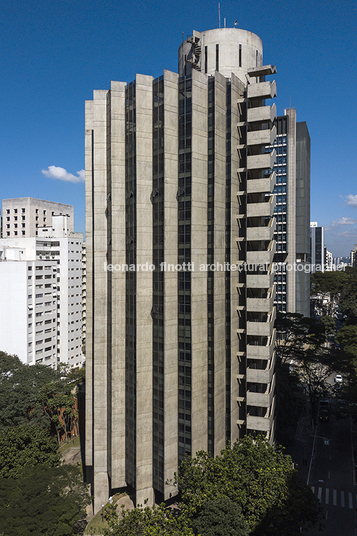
[344,221]
[351,200]
[55,172]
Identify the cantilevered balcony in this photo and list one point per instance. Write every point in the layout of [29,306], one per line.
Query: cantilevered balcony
[264,208]
[263,422]
[261,375]
[261,161]
[260,280]
[266,351]
[262,70]
[262,329]
[262,400]
[261,305]
[261,257]
[261,114]
[262,233]
[262,185]
[261,137]
[262,90]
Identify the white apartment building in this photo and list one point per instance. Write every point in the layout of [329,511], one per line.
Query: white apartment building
[23,216]
[51,266]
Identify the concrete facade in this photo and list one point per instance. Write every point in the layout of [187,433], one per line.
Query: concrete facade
[23,216]
[180,357]
[292,214]
[51,301]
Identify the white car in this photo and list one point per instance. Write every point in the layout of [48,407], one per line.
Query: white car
[338,378]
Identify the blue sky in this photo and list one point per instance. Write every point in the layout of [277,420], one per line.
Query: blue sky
[53,54]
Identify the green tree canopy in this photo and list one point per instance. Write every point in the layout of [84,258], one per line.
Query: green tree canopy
[43,500]
[19,389]
[156,521]
[255,476]
[26,446]
[221,517]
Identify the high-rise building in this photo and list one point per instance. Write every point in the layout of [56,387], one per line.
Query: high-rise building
[180,245]
[317,245]
[353,257]
[41,296]
[292,213]
[23,216]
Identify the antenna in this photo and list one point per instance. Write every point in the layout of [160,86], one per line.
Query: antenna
[219,14]
[224,21]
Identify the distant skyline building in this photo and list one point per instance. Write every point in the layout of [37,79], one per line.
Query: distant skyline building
[317,241]
[41,295]
[180,358]
[292,213]
[23,216]
[353,257]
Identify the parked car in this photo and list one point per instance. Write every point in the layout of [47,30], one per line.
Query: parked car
[324,414]
[338,378]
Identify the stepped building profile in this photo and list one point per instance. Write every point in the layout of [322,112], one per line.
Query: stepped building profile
[180,243]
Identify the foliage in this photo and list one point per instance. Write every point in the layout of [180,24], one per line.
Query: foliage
[156,521]
[304,347]
[26,446]
[329,325]
[257,477]
[341,285]
[221,517]
[58,403]
[43,500]
[19,388]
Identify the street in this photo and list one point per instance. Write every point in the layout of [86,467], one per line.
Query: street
[329,469]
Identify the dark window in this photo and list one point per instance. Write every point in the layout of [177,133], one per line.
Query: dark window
[206,60]
[217,57]
[240,55]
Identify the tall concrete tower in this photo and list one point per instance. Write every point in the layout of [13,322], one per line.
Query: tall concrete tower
[180,292]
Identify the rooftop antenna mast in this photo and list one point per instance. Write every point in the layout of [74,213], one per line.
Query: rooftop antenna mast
[219,14]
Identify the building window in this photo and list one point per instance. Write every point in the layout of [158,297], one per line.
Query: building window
[206,60]
[240,55]
[217,57]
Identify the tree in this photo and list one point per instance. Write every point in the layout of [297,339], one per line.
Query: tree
[255,476]
[221,517]
[26,446]
[156,521]
[19,389]
[43,500]
[58,403]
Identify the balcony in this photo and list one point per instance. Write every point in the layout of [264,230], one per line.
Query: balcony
[261,305]
[264,185]
[255,375]
[261,114]
[262,400]
[261,257]
[262,90]
[262,329]
[255,351]
[262,233]
[263,209]
[263,70]
[261,161]
[263,424]
[260,281]
[261,137]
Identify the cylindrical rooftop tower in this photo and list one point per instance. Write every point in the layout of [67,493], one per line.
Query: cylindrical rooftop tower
[227,50]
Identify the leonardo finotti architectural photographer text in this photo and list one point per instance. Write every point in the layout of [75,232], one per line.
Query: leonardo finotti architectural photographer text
[217,267]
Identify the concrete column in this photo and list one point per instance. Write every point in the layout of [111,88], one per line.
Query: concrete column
[117,305]
[144,96]
[100,342]
[89,274]
[236,92]
[219,257]
[170,281]
[198,257]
